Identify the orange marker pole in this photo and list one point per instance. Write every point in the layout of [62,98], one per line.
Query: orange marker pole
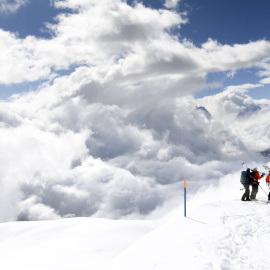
[185,197]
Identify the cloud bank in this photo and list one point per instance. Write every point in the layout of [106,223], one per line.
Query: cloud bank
[116,137]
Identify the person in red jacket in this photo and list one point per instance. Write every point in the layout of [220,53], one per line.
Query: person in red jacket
[255,175]
[267,181]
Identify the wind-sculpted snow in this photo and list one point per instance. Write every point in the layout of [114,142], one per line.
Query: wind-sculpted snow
[224,235]
[219,232]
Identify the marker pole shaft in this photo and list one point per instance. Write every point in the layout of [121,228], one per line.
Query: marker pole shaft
[185,197]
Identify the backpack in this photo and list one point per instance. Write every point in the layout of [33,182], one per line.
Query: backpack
[243,178]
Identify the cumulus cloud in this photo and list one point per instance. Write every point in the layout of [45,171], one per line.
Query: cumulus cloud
[232,102]
[226,57]
[32,209]
[99,34]
[11,6]
[246,116]
[69,156]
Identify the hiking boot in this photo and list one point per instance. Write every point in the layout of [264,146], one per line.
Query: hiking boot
[242,200]
[254,200]
[248,200]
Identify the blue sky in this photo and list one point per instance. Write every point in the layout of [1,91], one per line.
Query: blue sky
[228,22]
[29,19]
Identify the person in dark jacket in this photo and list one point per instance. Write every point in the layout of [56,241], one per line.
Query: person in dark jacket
[245,183]
[255,176]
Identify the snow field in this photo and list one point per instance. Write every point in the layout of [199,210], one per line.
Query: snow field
[227,235]
[75,243]
[220,232]
[224,235]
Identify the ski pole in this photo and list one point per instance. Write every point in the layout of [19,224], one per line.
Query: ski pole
[263,189]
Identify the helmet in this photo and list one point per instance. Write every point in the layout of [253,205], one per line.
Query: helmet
[255,169]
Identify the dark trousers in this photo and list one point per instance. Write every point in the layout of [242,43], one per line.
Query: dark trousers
[246,194]
[254,192]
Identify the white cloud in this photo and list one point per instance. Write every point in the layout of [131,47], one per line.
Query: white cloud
[11,6]
[124,43]
[171,3]
[231,74]
[32,209]
[68,156]
[265,81]
[100,33]
[230,102]
[225,57]
[265,71]
[245,117]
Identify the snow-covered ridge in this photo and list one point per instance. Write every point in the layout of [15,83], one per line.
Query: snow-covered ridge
[219,232]
[221,235]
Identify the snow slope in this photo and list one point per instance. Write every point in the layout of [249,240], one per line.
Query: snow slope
[221,235]
[75,243]
[217,235]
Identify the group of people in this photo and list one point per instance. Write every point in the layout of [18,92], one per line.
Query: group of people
[252,178]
